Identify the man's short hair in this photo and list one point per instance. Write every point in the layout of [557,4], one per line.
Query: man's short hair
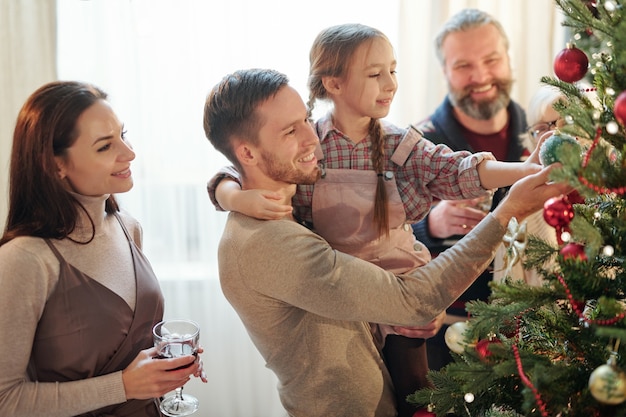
[230,107]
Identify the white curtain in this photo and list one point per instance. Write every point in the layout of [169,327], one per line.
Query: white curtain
[27,60]
[158,59]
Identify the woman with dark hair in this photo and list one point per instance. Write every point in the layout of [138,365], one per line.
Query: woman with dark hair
[78,297]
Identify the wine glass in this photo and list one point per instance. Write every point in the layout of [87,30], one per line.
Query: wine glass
[175,338]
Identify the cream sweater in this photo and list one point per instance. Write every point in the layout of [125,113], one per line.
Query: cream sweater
[307,307]
[28,274]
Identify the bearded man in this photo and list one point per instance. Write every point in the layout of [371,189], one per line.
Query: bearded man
[476,115]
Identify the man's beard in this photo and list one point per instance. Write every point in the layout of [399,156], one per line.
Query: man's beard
[485,109]
[284,172]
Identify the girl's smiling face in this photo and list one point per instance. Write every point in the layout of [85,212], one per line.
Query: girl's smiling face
[370,82]
[98,162]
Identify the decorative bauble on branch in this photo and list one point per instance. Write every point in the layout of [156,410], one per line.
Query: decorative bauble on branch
[554,148]
[619,108]
[558,212]
[573,251]
[607,383]
[515,241]
[483,348]
[454,337]
[570,65]
[424,413]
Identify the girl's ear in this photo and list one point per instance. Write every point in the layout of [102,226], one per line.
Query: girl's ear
[332,85]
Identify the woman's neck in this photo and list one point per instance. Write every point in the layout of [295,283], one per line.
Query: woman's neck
[90,216]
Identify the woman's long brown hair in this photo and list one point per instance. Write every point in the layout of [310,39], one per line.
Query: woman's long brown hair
[39,203]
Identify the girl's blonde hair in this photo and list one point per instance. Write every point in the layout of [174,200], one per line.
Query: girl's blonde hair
[330,56]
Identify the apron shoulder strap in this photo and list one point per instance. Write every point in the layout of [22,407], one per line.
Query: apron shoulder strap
[407,143]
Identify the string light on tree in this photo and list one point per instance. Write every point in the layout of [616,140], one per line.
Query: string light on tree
[609,6]
[608,250]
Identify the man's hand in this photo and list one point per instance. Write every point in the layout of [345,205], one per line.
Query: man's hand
[528,195]
[423,332]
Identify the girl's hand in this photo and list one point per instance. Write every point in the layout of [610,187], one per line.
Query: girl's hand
[261,204]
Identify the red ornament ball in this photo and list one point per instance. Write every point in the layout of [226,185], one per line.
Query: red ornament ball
[573,251]
[570,65]
[424,413]
[482,348]
[575,198]
[558,212]
[619,108]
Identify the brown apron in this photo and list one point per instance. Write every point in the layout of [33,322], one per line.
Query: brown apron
[86,330]
[343,214]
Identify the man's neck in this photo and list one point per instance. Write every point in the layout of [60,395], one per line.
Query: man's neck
[483,127]
[286,191]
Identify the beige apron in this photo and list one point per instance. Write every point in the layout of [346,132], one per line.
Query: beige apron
[343,214]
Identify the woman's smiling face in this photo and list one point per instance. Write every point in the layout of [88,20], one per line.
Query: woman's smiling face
[98,162]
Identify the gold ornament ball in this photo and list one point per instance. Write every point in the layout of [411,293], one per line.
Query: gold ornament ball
[608,385]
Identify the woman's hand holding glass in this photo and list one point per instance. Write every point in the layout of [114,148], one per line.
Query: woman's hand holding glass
[147,378]
[178,339]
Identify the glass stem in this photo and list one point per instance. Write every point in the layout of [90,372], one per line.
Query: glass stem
[179,393]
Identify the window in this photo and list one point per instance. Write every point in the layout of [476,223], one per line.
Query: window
[157,60]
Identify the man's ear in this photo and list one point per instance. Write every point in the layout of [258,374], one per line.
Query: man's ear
[332,85]
[246,154]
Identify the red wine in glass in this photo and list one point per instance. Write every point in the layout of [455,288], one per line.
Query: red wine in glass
[173,339]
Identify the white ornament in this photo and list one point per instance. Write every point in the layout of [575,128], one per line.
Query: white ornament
[607,383]
[608,250]
[609,6]
[454,337]
[515,241]
[612,127]
[469,397]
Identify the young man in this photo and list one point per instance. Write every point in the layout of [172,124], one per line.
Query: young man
[476,115]
[307,307]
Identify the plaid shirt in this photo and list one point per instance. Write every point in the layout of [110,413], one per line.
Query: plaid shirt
[430,172]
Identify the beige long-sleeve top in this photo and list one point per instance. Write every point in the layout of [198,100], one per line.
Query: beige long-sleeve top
[28,274]
[307,309]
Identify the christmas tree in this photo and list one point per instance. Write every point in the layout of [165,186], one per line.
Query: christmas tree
[559,349]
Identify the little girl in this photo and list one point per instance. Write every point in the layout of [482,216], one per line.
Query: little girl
[376,179]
